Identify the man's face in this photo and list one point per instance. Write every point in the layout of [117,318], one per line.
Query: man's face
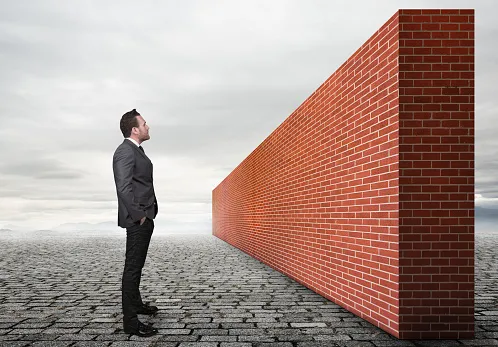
[142,130]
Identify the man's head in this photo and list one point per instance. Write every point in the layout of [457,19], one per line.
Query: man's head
[133,125]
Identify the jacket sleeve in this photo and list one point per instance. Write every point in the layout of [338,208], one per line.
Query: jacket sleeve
[122,164]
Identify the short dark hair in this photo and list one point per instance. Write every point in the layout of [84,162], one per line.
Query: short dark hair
[128,121]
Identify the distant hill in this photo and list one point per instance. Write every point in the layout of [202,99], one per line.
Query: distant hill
[486,213]
[85,226]
[12,227]
[5,230]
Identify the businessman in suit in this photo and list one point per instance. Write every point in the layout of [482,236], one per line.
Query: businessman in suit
[137,208]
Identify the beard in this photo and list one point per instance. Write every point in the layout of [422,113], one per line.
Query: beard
[144,137]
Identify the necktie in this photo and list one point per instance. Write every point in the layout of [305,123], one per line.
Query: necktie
[142,149]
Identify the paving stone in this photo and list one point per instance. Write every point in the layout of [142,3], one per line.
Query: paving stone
[238,325]
[352,344]
[261,320]
[378,336]
[269,315]
[294,338]
[32,325]
[272,325]
[316,344]
[68,325]
[41,336]
[489,327]
[356,330]
[196,320]
[179,338]
[150,339]
[246,331]
[14,344]
[482,342]
[165,325]
[209,294]
[97,331]
[25,331]
[76,337]
[319,331]
[118,336]
[220,338]
[394,343]
[51,344]
[91,344]
[61,331]
[332,337]
[203,332]
[175,331]
[72,320]
[132,344]
[227,320]
[256,338]
[104,320]
[103,325]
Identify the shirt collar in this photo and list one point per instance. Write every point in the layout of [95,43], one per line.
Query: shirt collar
[135,142]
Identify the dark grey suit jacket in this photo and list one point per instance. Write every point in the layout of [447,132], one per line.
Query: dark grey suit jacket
[134,184]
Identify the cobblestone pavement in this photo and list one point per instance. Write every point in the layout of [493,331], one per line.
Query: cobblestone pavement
[57,290]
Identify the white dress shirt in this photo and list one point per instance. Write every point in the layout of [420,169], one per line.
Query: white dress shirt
[135,142]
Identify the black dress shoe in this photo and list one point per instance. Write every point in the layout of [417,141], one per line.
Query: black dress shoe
[147,309]
[141,330]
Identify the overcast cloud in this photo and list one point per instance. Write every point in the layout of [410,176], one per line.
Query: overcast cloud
[212,79]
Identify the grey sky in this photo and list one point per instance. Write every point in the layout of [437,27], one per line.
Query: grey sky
[212,79]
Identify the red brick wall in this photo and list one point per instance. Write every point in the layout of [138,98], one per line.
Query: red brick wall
[436,170]
[352,197]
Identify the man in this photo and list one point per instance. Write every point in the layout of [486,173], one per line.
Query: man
[137,207]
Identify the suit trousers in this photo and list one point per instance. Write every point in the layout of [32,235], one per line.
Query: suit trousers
[137,244]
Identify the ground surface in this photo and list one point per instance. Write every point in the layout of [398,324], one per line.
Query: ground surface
[60,290]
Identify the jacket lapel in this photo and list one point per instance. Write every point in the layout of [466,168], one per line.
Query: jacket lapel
[135,148]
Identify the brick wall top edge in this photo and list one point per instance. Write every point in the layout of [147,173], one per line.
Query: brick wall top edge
[428,11]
